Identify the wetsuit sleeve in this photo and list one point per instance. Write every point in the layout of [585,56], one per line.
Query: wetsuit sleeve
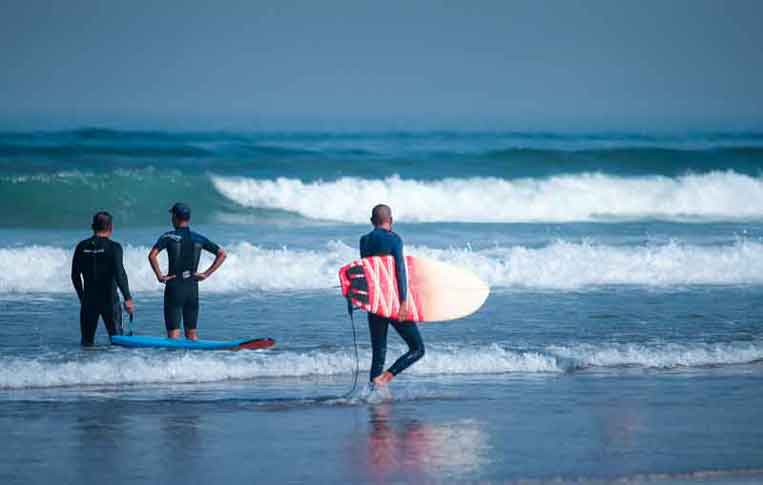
[120,275]
[77,273]
[208,245]
[363,249]
[402,272]
[161,243]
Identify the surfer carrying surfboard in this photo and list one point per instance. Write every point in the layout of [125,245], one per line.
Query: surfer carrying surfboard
[181,291]
[382,242]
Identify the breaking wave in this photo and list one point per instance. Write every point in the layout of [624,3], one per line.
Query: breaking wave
[130,367]
[565,198]
[560,265]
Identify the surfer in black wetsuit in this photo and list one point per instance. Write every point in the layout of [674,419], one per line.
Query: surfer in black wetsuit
[382,242]
[98,261]
[181,293]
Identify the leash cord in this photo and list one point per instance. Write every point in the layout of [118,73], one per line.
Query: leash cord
[355,345]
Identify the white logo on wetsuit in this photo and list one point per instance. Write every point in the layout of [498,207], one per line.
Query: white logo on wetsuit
[174,237]
[94,251]
[186,274]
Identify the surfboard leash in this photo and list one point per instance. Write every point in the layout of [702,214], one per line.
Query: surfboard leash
[350,311]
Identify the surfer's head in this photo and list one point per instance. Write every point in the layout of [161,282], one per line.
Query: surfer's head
[102,224]
[381,216]
[181,214]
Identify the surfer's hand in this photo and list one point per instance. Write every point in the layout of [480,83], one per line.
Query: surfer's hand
[201,276]
[129,306]
[165,278]
[403,315]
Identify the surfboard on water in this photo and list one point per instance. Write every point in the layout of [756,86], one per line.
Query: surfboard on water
[436,291]
[139,341]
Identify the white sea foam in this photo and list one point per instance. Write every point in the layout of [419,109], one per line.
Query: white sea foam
[144,367]
[559,265]
[183,367]
[584,197]
[665,356]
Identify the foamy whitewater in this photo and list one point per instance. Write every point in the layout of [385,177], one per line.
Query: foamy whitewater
[623,334]
[559,265]
[183,368]
[585,197]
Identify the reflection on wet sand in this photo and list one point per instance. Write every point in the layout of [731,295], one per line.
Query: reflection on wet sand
[99,432]
[182,440]
[410,447]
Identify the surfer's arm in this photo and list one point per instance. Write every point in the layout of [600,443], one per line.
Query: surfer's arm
[153,258]
[77,275]
[401,272]
[219,260]
[219,253]
[120,274]
[364,253]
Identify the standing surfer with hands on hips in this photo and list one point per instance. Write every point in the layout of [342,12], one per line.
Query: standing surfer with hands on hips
[383,242]
[181,291]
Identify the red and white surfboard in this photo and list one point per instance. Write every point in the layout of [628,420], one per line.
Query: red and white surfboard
[436,291]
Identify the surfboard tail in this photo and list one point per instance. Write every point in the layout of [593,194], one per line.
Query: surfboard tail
[255,344]
[352,278]
[370,284]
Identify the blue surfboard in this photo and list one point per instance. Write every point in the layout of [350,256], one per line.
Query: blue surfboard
[138,341]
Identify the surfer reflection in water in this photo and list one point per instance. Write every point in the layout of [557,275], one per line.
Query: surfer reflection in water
[411,447]
[383,242]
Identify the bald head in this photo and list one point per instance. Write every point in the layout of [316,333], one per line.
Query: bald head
[381,215]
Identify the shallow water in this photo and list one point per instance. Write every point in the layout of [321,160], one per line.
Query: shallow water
[621,340]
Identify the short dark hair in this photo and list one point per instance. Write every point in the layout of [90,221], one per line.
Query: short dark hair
[380,214]
[101,221]
[181,211]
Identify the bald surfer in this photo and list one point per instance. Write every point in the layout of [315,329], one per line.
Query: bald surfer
[181,291]
[97,272]
[381,241]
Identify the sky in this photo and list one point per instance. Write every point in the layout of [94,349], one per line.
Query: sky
[481,64]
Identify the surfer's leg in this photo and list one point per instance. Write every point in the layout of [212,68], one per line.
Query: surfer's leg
[172,313]
[377,328]
[112,318]
[410,333]
[88,322]
[191,313]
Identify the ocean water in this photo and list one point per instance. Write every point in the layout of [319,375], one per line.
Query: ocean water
[622,340]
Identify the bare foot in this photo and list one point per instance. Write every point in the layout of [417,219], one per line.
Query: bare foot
[384,379]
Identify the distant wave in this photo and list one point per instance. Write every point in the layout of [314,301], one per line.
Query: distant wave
[120,367]
[138,150]
[91,150]
[566,151]
[605,138]
[561,265]
[585,197]
[133,196]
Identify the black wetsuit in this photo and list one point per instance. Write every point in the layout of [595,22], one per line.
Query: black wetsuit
[381,242]
[98,261]
[181,294]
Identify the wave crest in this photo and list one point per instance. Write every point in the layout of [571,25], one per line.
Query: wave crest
[566,198]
